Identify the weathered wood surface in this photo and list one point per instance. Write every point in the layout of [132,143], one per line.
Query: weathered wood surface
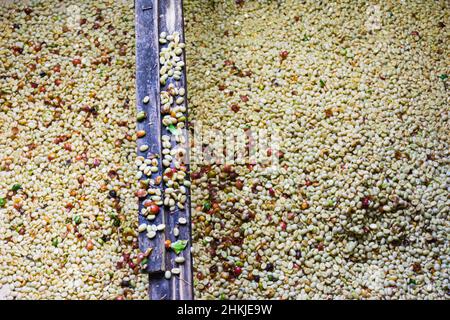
[147,84]
[152,18]
[171,20]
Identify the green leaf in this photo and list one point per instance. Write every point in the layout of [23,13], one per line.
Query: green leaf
[115,219]
[2,202]
[16,187]
[443,76]
[222,296]
[179,246]
[55,242]
[207,205]
[172,129]
[77,219]
[322,83]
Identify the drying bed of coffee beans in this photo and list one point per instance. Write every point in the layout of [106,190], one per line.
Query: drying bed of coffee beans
[355,208]
[358,206]
[68,211]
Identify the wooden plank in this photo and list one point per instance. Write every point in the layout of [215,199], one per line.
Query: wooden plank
[170,21]
[153,17]
[147,84]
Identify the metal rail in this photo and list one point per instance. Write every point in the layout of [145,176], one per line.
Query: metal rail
[152,18]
